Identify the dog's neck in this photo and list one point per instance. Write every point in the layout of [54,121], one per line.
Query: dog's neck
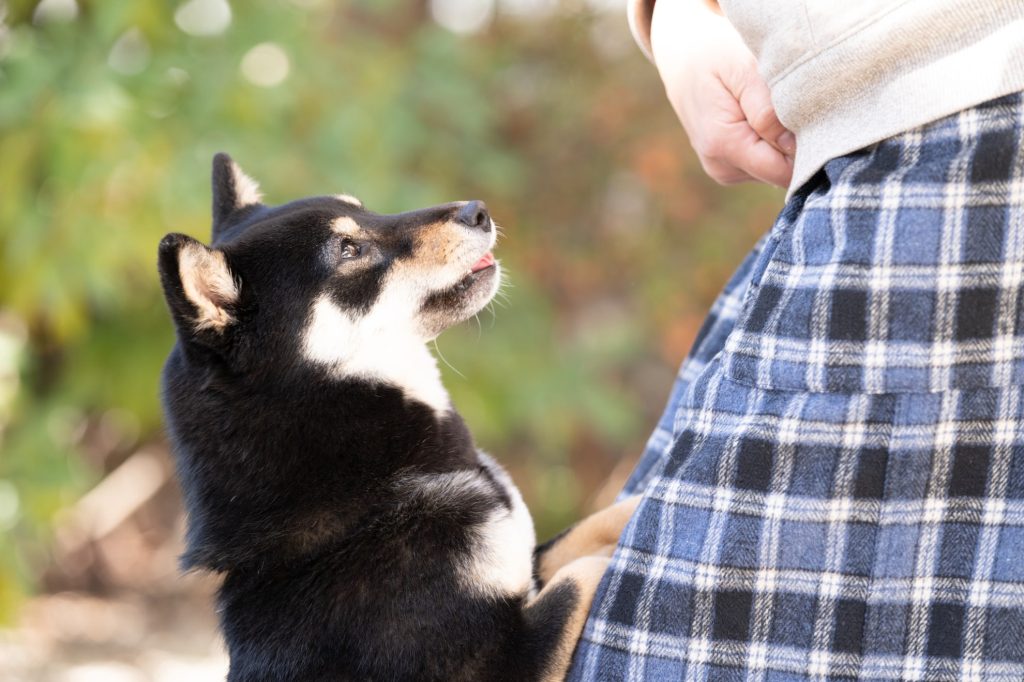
[373,351]
[412,369]
[336,441]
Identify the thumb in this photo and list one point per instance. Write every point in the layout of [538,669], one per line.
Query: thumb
[756,103]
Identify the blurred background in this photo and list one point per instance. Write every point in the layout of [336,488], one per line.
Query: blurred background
[109,114]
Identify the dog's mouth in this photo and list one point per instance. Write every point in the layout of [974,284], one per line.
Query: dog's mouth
[474,289]
[486,261]
[483,267]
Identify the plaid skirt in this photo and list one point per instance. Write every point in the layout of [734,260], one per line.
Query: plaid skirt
[836,489]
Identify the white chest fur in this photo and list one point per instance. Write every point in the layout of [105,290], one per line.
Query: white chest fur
[502,561]
[498,561]
[375,347]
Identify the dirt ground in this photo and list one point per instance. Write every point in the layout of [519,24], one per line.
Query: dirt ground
[113,604]
[76,637]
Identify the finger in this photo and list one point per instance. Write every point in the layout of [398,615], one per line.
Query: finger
[766,163]
[725,173]
[756,103]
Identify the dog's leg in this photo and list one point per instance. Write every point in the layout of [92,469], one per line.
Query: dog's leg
[595,535]
[565,599]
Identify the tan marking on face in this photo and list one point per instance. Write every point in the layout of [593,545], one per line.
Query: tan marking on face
[346,226]
[437,242]
[208,284]
[595,535]
[349,199]
[584,574]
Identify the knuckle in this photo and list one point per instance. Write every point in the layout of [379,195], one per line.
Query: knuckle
[710,148]
[763,119]
[723,175]
[710,168]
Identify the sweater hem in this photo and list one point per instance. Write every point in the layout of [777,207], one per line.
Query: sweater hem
[938,87]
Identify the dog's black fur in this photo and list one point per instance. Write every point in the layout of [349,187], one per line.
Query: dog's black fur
[344,512]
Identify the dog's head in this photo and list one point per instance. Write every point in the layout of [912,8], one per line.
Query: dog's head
[323,282]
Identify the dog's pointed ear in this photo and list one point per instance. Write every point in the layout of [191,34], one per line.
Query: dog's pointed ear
[202,292]
[232,190]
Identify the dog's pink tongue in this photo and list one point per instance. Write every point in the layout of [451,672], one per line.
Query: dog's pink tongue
[485,262]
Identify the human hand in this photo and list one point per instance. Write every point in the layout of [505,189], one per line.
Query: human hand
[712,82]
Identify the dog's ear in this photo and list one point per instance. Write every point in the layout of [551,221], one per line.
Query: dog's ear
[202,292]
[232,190]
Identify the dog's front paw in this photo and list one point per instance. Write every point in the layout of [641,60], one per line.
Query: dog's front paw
[596,535]
[570,593]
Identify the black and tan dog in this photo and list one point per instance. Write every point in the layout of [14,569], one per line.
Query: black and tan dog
[360,533]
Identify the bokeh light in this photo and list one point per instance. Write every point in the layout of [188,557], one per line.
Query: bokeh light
[203,17]
[462,16]
[265,65]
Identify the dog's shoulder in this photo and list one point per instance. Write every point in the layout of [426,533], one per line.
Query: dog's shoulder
[436,557]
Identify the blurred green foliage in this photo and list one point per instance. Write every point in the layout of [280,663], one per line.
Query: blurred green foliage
[615,242]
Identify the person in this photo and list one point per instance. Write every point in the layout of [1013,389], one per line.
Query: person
[836,488]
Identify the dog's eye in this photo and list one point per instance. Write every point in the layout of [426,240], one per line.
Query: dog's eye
[350,250]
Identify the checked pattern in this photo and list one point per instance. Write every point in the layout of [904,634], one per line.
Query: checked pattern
[836,488]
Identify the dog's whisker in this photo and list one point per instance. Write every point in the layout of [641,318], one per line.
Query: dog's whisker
[437,349]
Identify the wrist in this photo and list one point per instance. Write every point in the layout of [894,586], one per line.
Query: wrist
[687,31]
[641,18]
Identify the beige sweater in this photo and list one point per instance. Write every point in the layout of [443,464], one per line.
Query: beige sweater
[845,74]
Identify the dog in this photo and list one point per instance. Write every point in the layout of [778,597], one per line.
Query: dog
[359,532]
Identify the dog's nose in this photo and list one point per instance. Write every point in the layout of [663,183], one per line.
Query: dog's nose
[474,214]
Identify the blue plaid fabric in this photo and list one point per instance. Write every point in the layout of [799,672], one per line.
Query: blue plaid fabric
[836,489]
